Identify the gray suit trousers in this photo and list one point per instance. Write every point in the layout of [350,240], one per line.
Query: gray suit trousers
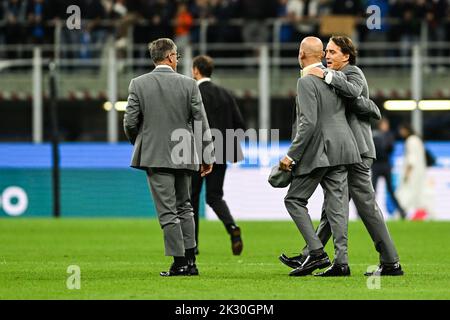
[334,182]
[363,195]
[171,193]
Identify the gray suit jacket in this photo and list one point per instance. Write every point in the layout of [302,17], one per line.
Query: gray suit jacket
[352,84]
[159,122]
[322,136]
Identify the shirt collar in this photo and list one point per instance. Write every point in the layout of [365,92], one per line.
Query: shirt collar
[305,69]
[163,66]
[199,82]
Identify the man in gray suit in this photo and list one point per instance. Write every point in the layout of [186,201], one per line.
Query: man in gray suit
[322,147]
[350,83]
[163,108]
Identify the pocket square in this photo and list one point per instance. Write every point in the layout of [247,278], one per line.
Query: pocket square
[279,178]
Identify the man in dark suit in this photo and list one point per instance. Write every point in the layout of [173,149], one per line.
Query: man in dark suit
[384,141]
[163,107]
[350,83]
[223,113]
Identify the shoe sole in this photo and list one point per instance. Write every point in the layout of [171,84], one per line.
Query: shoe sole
[396,274]
[332,276]
[180,275]
[318,265]
[174,275]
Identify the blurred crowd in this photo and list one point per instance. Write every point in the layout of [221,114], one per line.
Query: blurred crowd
[33,21]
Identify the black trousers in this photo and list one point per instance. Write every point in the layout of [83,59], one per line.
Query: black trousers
[214,196]
[383,169]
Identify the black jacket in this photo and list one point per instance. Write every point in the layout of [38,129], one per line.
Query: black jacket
[223,113]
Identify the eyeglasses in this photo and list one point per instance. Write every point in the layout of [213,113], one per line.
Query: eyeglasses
[174,53]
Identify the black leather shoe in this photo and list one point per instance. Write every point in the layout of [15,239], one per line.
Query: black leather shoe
[336,270]
[292,262]
[387,270]
[236,241]
[176,271]
[310,264]
[192,269]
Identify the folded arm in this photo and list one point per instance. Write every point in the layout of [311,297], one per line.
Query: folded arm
[349,85]
[364,107]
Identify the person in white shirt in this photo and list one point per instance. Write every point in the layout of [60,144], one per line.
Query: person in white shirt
[410,192]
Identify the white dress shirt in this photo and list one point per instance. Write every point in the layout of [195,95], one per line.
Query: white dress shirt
[163,66]
[199,82]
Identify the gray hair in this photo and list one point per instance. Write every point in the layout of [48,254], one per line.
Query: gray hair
[160,49]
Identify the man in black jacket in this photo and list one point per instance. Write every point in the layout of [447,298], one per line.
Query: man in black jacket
[223,113]
[384,141]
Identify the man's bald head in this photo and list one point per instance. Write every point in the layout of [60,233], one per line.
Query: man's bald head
[311,51]
[312,46]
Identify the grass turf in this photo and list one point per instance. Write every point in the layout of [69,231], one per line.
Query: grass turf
[121,259]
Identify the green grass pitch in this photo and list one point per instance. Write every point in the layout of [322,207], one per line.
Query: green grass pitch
[121,259]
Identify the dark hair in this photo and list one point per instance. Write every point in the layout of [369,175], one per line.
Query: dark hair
[347,47]
[160,49]
[204,64]
[408,127]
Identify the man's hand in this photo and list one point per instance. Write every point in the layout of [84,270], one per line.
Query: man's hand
[318,72]
[205,169]
[286,164]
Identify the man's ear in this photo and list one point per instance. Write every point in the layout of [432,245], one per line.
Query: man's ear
[194,72]
[346,57]
[322,55]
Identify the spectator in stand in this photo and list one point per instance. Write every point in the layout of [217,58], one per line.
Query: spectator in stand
[183,24]
[286,29]
[436,15]
[161,13]
[15,16]
[200,11]
[2,30]
[70,39]
[347,7]
[37,14]
[254,13]
[93,32]
[376,35]
[352,8]
[408,28]
[303,13]
[129,12]
[223,11]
